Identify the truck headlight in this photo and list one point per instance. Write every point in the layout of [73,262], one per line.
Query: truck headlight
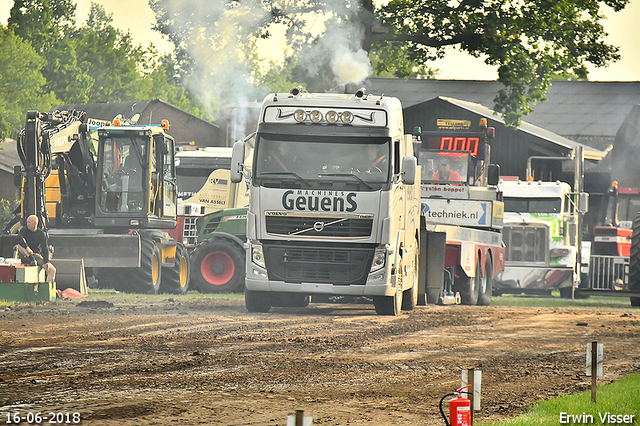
[379,260]
[559,252]
[257,256]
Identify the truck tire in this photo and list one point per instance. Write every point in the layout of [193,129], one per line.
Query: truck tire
[470,287]
[175,279]
[389,305]
[109,278]
[218,266]
[257,301]
[486,289]
[634,262]
[410,296]
[145,279]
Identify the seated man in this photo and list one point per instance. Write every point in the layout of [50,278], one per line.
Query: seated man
[445,173]
[32,247]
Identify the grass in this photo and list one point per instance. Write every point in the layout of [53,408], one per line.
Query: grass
[617,398]
[107,294]
[555,301]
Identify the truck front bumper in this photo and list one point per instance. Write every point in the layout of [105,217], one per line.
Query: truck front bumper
[533,278]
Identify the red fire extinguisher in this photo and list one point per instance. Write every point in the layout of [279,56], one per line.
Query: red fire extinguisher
[459,409]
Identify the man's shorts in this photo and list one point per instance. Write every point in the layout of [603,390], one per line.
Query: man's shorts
[33,260]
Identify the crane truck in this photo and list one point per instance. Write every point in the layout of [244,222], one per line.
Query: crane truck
[334,205]
[108,206]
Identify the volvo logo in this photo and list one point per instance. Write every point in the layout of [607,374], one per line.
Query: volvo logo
[318,226]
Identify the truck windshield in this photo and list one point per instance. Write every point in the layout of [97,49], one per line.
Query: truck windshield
[438,166]
[342,161]
[123,174]
[532,205]
[192,173]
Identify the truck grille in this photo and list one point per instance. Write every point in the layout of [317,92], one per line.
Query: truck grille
[608,272]
[526,243]
[318,227]
[190,231]
[337,266]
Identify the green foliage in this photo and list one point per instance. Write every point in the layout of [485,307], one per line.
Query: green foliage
[617,398]
[6,211]
[93,63]
[529,41]
[22,86]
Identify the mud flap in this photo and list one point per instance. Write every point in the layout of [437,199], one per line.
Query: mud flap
[436,245]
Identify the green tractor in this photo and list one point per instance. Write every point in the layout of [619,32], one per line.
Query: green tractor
[218,260]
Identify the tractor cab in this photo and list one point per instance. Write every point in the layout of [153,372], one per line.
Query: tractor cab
[137,183]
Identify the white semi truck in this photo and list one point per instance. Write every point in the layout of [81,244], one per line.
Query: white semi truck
[334,202]
[540,234]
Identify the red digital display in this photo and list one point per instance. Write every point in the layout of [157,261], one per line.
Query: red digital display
[460,143]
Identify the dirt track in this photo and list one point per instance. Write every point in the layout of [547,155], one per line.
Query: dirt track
[132,360]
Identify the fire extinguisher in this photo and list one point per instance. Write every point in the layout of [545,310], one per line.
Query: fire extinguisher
[459,409]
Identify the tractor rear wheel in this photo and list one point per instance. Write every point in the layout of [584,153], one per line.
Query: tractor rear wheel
[218,266]
[175,279]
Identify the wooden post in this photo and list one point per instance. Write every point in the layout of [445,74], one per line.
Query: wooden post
[470,374]
[594,370]
[299,417]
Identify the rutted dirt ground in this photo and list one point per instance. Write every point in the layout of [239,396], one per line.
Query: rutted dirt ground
[131,360]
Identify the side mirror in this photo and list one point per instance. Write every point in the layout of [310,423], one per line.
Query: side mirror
[409,167]
[493,174]
[237,162]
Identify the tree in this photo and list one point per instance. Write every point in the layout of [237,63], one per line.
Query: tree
[21,83]
[529,41]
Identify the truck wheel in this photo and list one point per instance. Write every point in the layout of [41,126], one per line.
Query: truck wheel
[470,288]
[486,289]
[218,267]
[257,301]
[175,279]
[410,296]
[290,300]
[145,279]
[389,305]
[634,262]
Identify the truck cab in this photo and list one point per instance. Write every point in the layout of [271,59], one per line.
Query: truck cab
[540,237]
[333,207]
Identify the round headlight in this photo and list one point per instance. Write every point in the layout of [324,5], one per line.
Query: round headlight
[347,117]
[316,116]
[300,115]
[332,117]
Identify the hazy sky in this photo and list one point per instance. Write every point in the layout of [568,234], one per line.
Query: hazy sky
[623,29]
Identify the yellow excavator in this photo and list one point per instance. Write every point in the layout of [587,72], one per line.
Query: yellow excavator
[106,203]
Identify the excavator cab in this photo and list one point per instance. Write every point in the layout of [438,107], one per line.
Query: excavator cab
[136,172]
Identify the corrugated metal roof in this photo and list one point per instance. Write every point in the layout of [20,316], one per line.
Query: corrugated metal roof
[589,152]
[573,108]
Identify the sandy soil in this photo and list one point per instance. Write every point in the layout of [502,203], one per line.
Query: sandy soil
[127,360]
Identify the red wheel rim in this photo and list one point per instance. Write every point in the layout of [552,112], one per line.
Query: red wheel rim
[217,268]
